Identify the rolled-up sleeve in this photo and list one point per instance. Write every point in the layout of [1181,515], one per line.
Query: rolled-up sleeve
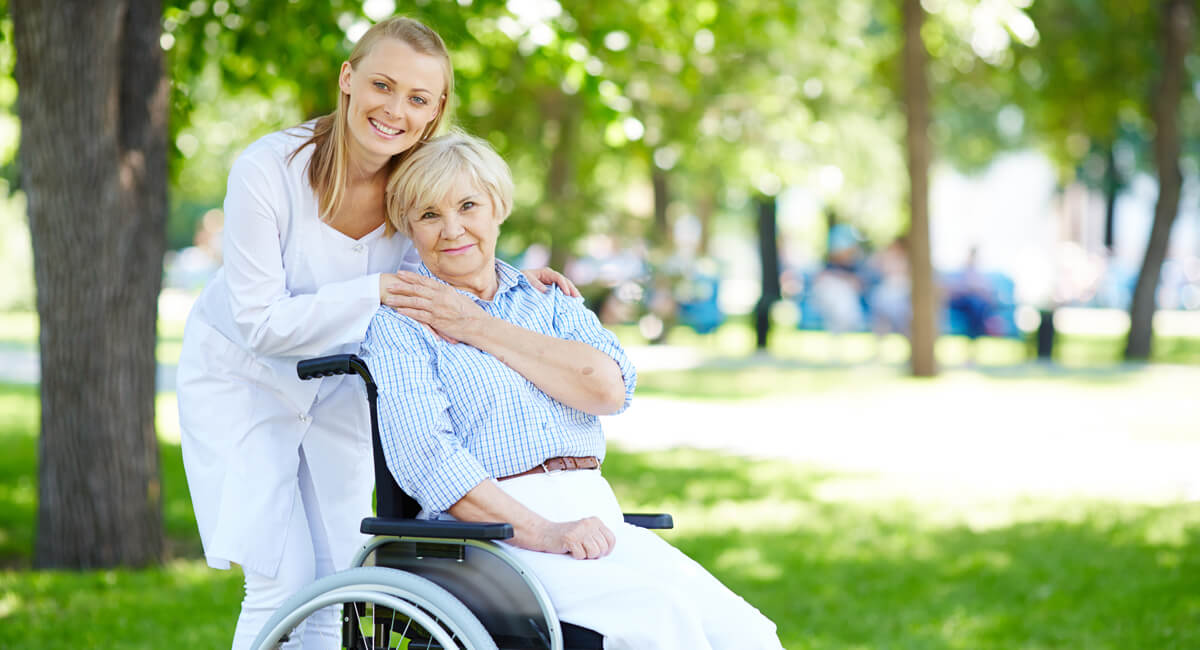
[575,322]
[420,445]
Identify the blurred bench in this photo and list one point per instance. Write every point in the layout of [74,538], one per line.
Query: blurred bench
[697,300]
[1003,312]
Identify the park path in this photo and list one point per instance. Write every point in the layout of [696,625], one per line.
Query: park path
[965,437]
[1127,433]
[954,441]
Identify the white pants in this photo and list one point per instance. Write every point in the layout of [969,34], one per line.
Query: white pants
[306,556]
[644,595]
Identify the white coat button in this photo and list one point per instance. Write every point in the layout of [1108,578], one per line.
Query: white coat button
[358,248]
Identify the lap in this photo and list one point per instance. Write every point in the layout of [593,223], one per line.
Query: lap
[646,591]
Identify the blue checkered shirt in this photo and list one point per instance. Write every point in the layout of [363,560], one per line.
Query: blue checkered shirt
[450,415]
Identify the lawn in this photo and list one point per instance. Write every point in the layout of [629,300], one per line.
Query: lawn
[833,571]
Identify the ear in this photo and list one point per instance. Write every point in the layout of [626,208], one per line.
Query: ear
[440,107]
[344,77]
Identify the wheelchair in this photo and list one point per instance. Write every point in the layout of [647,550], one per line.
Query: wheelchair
[429,584]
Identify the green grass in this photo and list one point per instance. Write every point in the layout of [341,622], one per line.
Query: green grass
[893,574]
[833,571]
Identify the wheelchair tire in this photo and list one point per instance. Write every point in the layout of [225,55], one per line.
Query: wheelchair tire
[381,608]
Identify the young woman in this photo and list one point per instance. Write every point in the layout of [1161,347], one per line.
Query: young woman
[279,469]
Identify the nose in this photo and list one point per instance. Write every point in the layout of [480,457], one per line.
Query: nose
[452,226]
[394,107]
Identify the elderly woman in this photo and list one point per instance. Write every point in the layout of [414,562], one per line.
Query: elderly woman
[482,436]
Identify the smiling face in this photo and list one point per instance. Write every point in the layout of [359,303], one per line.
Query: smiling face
[395,93]
[456,237]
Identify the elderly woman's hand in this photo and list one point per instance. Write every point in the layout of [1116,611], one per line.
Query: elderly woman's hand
[436,305]
[583,539]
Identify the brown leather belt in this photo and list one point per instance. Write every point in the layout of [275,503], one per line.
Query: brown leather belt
[559,464]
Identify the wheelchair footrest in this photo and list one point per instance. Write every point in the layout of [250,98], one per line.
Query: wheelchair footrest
[435,529]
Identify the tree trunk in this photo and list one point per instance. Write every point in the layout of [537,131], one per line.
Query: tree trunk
[1177,20]
[1112,185]
[563,111]
[916,108]
[662,236]
[768,252]
[706,208]
[93,106]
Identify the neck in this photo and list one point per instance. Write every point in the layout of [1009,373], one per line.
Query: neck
[364,168]
[482,285]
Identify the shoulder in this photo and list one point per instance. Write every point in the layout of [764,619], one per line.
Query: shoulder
[514,280]
[281,150]
[394,330]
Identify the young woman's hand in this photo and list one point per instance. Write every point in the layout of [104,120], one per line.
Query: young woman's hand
[542,278]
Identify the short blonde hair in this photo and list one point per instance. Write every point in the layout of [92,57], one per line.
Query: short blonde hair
[425,176]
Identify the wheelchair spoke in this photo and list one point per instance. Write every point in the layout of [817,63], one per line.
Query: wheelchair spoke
[407,624]
[371,617]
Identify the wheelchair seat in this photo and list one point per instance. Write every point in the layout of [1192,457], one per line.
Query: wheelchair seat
[461,560]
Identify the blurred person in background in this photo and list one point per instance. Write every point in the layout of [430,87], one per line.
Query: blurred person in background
[889,300]
[837,289]
[971,295]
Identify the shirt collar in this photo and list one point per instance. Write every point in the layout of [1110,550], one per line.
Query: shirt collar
[507,275]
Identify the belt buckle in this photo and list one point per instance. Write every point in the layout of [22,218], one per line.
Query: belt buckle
[552,471]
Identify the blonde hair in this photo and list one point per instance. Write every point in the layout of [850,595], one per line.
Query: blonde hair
[426,175]
[328,167]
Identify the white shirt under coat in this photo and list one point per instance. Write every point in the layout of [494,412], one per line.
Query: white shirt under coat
[292,287]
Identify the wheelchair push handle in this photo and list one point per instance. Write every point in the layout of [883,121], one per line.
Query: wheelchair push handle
[334,364]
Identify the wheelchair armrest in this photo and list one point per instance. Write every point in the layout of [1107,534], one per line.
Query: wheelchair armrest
[656,521]
[435,529]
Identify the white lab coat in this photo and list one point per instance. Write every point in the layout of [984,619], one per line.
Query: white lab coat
[292,287]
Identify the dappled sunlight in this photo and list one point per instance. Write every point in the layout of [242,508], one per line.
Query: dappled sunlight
[1044,583]
[839,559]
[166,417]
[19,327]
[9,603]
[772,515]
[865,567]
[748,561]
[1176,533]
[1122,434]
[22,494]
[122,607]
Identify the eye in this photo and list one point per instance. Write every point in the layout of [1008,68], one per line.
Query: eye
[420,101]
[467,205]
[429,215]
[380,85]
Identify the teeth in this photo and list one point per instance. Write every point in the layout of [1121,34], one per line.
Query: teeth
[384,128]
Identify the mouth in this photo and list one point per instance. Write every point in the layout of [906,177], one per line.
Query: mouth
[383,128]
[457,251]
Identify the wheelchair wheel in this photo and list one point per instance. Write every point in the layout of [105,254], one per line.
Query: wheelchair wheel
[380,608]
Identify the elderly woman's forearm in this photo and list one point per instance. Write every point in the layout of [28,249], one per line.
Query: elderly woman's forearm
[486,502]
[583,539]
[571,372]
